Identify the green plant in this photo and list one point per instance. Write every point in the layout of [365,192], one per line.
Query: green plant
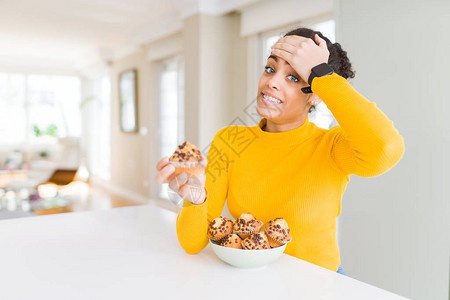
[44,154]
[51,130]
[37,131]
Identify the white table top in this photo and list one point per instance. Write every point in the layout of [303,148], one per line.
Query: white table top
[133,253]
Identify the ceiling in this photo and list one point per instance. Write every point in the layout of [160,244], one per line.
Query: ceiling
[73,34]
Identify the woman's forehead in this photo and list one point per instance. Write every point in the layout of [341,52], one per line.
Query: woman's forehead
[279,60]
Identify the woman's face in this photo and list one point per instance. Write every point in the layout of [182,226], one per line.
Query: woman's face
[280,99]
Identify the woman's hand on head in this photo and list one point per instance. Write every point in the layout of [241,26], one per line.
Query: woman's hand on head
[302,53]
[187,186]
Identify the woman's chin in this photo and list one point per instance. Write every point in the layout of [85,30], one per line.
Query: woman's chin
[266,112]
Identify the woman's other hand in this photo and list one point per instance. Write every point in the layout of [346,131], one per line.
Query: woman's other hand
[302,53]
[187,186]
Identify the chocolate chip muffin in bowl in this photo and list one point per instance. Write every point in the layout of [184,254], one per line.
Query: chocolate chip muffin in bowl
[231,241]
[261,256]
[219,228]
[278,232]
[257,241]
[246,225]
[253,251]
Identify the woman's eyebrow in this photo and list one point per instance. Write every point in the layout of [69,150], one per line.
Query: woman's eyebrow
[286,63]
[273,57]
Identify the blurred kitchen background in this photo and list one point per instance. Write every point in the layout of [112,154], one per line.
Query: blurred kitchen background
[93,93]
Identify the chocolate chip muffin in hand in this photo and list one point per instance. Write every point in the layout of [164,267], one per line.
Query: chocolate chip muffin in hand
[187,158]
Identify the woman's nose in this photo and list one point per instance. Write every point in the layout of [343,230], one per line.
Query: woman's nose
[274,82]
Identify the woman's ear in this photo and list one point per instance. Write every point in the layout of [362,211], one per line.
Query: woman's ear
[314,99]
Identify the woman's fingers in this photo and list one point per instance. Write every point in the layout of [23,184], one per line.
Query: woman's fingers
[284,46]
[282,54]
[193,191]
[294,40]
[165,174]
[201,178]
[178,181]
[189,187]
[321,42]
[301,53]
[162,163]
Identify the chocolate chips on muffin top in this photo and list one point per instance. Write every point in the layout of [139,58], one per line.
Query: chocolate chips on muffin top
[232,241]
[186,152]
[278,232]
[256,241]
[247,222]
[278,229]
[247,233]
[219,228]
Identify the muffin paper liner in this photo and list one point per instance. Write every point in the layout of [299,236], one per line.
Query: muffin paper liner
[243,245]
[185,164]
[220,239]
[193,168]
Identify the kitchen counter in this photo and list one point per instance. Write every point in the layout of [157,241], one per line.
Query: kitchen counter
[133,253]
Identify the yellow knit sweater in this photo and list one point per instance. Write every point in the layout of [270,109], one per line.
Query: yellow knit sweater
[300,174]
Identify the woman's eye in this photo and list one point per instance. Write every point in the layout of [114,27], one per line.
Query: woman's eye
[293,78]
[269,69]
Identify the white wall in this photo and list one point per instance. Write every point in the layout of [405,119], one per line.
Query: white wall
[214,74]
[394,230]
[269,14]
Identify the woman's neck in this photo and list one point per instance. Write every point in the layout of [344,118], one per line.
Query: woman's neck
[280,127]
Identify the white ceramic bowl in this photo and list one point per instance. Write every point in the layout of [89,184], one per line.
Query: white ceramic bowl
[241,258]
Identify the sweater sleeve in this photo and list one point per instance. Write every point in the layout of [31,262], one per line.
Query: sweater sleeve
[193,220]
[366,143]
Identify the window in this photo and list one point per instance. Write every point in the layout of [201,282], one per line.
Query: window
[36,109]
[54,101]
[322,116]
[171,108]
[13,114]
[96,108]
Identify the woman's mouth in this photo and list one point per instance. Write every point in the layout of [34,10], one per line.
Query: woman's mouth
[269,99]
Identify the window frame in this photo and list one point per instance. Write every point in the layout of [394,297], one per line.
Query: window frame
[178,59]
